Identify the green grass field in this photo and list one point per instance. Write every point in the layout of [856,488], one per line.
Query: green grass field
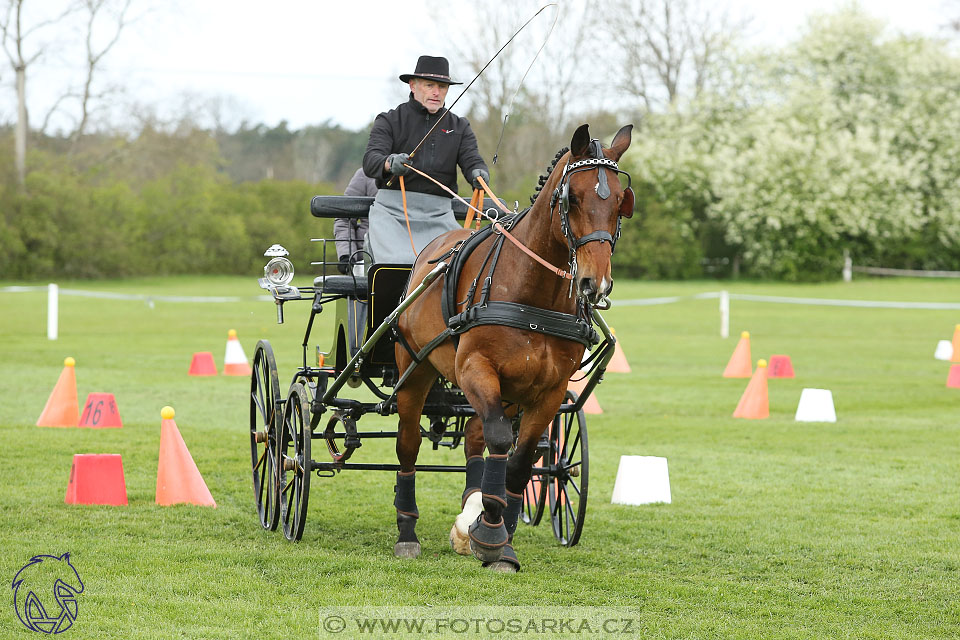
[777,529]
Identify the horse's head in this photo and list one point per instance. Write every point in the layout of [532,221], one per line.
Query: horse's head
[591,194]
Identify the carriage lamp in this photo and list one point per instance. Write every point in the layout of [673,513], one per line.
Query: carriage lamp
[279,271]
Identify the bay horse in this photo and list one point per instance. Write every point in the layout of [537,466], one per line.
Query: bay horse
[574,220]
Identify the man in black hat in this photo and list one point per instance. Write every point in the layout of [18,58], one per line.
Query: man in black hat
[394,136]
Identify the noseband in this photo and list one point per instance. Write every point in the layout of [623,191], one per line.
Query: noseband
[561,195]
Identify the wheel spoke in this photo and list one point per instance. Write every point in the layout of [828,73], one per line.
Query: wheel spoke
[260,460]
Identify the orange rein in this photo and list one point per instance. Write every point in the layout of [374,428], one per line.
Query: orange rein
[403,194]
[496,225]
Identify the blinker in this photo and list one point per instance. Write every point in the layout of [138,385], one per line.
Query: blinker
[626,205]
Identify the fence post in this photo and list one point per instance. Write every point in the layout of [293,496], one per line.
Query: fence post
[53,310]
[724,314]
[847,266]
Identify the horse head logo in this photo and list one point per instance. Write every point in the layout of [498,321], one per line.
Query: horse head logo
[45,593]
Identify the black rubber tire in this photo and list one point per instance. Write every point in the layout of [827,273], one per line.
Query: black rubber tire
[293,456]
[570,470]
[265,409]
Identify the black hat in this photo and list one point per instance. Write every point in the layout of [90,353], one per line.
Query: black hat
[431,68]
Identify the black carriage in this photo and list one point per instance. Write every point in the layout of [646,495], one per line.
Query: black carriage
[286,421]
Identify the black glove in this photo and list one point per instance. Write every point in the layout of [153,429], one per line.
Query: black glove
[396,162]
[344,265]
[479,173]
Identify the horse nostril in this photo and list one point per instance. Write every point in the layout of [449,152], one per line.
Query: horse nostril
[587,286]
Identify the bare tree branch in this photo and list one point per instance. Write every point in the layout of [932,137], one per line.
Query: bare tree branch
[669,48]
[94,55]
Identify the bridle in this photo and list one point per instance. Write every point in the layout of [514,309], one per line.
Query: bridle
[561,200]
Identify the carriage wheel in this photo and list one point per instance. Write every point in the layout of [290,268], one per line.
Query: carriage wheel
[265,406]
[534,497]
[569,463]
[293,455]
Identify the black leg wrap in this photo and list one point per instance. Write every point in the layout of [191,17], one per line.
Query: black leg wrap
[512,513]
[406,494]
[487,541]
[494,477]
[474,477]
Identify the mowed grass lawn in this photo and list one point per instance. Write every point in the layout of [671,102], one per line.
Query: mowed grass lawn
[777,529]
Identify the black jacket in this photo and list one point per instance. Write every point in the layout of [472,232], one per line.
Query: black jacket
[399,130]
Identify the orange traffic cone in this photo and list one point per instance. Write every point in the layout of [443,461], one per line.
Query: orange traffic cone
[956,344]
[754,402]
[618,363]
[61,408]
[577,384]
[739,365]
[96,478]
[202,364]
[178,479]
[234,359]
[953,378]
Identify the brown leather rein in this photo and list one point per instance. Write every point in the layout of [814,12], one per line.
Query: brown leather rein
[496,225]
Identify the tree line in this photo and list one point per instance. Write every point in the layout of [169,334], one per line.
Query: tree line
[765,164]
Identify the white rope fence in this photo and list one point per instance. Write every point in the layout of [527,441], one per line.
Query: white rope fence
[725,298]
[53,293]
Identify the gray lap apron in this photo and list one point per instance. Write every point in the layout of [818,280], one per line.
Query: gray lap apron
[387,237]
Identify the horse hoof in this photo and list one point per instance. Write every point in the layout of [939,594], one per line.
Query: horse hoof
[459,542]
[487,541]
[508,562]
[406,549]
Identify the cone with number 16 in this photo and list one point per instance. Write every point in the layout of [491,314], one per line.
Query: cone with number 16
[754,402]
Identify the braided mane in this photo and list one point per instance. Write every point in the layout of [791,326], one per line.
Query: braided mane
[543,178]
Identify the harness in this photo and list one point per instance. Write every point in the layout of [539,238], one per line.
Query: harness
[510,314]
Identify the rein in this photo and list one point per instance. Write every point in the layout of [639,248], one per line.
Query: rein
[496,225]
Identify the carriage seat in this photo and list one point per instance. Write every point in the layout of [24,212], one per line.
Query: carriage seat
[346,285]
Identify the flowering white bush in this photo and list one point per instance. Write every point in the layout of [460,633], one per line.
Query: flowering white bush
[847,139]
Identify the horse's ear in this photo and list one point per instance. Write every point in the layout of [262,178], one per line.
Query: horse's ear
[580,142]
[621,142]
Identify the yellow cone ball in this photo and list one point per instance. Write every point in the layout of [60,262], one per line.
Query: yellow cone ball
[69,362]
[232,333]
[745,334]
[167,413]
[761,362]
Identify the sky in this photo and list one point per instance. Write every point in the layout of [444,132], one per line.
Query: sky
[314,61]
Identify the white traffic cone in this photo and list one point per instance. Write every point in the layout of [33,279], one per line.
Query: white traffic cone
[234,359]
[816,405]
